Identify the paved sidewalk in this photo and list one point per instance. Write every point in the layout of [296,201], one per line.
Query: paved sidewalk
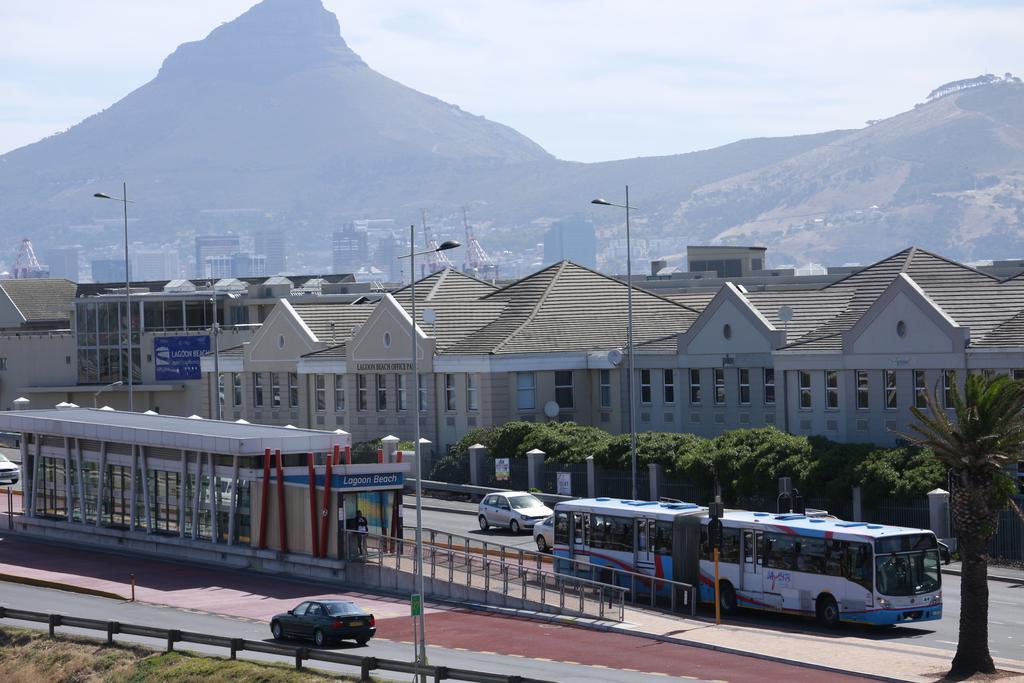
[995,572]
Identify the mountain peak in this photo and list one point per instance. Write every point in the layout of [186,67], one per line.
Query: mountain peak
[271,40]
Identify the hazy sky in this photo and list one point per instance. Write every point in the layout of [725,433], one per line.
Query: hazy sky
[589,80]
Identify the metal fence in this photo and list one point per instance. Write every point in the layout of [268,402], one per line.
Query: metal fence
[1008,543]
[913,514]
[616,484]
[577,478]
[235,645]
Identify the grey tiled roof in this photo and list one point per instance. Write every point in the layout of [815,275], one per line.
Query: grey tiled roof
[444,285]
[567,307]
[320,316]
[43,299]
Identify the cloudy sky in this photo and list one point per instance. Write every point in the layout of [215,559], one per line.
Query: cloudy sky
[589,80]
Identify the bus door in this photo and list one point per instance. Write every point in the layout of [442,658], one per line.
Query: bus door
[580,542]
[750,576]
[643,558]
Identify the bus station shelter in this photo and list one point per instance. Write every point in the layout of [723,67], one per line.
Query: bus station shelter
[258,496]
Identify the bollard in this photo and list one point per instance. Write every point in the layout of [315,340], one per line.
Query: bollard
[236,645]
[368,664]
[112,628]
[53,621]
[133,587]
[300,654]
[172,638]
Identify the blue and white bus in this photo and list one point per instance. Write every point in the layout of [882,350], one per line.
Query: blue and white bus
[810,565]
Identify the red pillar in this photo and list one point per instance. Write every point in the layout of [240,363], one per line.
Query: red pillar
[314,527]
[337,454]
[264,499]
[282,527]
[380,455]
[348,455]
[399,456]
[325,514]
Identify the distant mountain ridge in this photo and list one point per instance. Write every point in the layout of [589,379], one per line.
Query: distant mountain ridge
[273,111]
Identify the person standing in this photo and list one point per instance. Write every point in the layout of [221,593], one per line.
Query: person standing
[362,528]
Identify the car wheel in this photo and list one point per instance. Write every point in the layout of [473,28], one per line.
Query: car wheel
[483,523]
[542,545]
[514,526]
[275,630]
[727,597]
[318,638]
[361,642]
[827,611]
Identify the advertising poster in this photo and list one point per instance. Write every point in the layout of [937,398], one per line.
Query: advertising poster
[177,358]
[502,469]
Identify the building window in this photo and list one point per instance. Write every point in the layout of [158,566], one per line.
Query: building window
[769,386]
[645,386]
[362,399]
[606,388]
[275,390]
[669,383]
[220,392]
[293,390]
[719,386]
[321,393]
[920,390]
[563,389]
[257,389]
[3,363]
[403,397]
[382,393]
[831,389]
[472,392]
[236,389]
[695,386]
[1018,375]
[744,386]
[339,393]
[422,385]
[889,382]
[525,391]
[863,393]
[805,390]
[449,391]
[948,387]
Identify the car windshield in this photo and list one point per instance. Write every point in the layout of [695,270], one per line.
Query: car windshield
[3,458]
[908,573]
[342,609]
[523,502]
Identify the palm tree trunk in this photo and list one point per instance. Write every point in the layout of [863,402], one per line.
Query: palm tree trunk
[972,655]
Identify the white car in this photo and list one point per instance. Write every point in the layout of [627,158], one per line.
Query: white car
[10,473]
[544,532]
[517,510]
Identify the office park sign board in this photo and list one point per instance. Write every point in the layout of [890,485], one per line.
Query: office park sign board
[177,358]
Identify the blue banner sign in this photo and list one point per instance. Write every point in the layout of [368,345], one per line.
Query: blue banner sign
[177,358]
[371,481]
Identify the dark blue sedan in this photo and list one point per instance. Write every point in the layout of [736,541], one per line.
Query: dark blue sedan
[325,621]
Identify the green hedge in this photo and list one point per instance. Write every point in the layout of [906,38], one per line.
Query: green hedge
[748,461]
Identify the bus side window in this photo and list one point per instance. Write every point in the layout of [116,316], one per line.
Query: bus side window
[834,552]
[663,538]
[562,528]
[858,564]
[748,547]
[577,523]
[730,551]
[705,544]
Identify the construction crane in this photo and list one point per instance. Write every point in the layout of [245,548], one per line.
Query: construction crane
[435,260]
[477,263]
[26,265]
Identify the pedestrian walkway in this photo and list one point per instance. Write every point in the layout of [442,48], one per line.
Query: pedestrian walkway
[995,572]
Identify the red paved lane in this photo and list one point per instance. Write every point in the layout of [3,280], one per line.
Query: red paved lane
[510,635]
[242,594]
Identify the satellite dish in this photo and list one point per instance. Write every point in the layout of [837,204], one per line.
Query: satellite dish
[551,409]
[355,329]
[785,313]
[615,357]
[429,316]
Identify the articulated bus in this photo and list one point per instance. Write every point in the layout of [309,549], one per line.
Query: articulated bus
[813,565]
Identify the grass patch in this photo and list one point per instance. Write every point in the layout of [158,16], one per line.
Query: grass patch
[30,657]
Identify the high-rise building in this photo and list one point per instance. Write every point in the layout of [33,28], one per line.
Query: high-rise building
[154,264]
[271,244]
[63,262]
[249,265]
[213,245]
[573,239]
[108,270]
[349,249]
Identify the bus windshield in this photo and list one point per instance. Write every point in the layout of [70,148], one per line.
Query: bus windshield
[907,573]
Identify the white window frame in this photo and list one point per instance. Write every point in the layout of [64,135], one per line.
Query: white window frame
[472,392]
[293,390]
[564,388]
[605,388]
[236,389]
[695,387]
[380,383]
[645,387]
[769,396]
[339,393]
[744,383]
[891,389]
[920,389]
[362,393]
[449,392]
[668,391]
[275,390]
[863,389]
[320,391]
[421,384]
[805,395]
[831,390]
[526,390]
[257,389]
[403,394]
[719,377]
[948,387]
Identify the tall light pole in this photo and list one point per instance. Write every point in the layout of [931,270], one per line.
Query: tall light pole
[127,288]
[421,652]
[215,335]
[629,336]
[96,396]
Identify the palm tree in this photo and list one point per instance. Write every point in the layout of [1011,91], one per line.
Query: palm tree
[986,430]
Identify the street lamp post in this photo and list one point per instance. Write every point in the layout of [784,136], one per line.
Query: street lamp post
[95,397]
[127,288]
[421,633]
[215,334]
[629,336]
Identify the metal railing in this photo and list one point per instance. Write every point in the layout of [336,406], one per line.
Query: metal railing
[456,568]
[666,594]
[235,645]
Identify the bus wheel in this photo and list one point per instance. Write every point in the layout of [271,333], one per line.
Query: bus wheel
[727,597]
[827,611]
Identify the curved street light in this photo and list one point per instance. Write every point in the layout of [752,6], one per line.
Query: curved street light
[629,335]
[127,287]
[95,397]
